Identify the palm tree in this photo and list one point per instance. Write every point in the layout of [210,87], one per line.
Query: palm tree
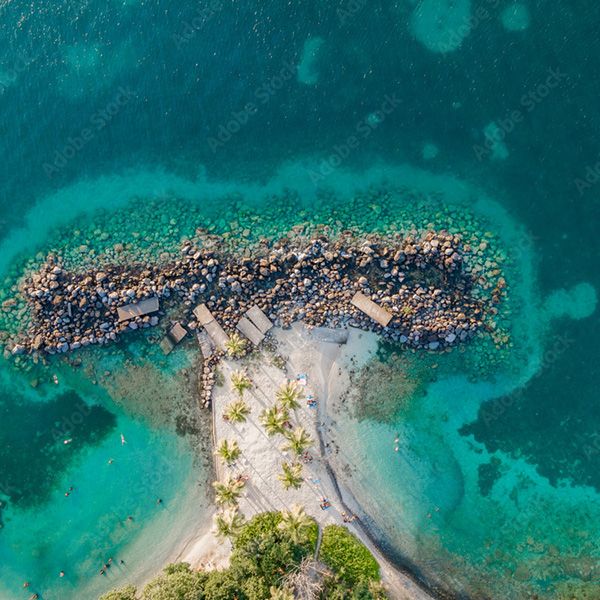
[297,441]
[228,452]
[291,476]
[236,411]
[228,491]
[296,522]
[288,395]
[235,345]
[240,381]
[272,420]
[280,594]
[228,524]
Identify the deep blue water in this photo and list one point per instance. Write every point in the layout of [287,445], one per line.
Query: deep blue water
[66,66]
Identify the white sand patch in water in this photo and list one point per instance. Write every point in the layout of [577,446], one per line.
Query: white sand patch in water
[307,71]
[578,302]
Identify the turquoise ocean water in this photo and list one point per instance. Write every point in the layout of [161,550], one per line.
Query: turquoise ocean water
[103,102]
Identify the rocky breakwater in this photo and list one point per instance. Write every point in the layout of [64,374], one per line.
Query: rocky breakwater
[420,280]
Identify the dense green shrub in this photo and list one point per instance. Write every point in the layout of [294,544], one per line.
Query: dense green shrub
[347,555]
[257,526]
[262,554]
[221,585]
[363,590]
[126,593]
[177,582]
[267,522]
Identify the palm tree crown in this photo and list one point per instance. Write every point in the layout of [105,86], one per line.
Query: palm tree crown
[228,451]
[288,395]
[291,476]
[235,345]
[228,524]
[240,381]
[273,419]
[236,411]
[297,441]
[228,491]
[296,522]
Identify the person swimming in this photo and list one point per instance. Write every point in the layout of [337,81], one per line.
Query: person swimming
[111,460]
[122,440]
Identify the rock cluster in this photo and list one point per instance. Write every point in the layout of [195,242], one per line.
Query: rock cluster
[420,281]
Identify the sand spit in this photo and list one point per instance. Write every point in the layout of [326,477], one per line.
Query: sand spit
[262,456]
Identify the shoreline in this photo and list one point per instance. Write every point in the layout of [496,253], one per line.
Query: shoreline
[261,459]
[404,578]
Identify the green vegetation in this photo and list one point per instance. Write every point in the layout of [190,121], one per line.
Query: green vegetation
[296,522]
[272,419]
[347,555]
[288,395]
[236,411]
[267,564]
[126,593]
[235,345]
[240,381]
[228,524]
[228,491]
[297,441]
[291,476]
[257,526]
[228,452]
[281,594]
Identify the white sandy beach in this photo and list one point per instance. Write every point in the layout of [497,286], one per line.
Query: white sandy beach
[262,458]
